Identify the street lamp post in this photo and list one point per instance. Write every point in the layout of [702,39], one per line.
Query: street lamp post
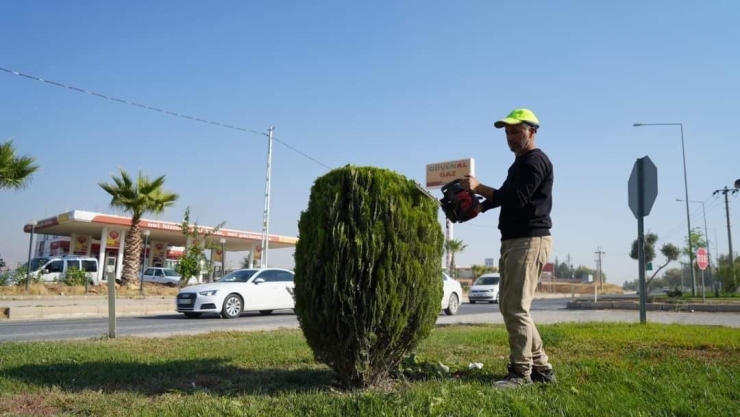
[223,256]
[686,190]
[706,235]
[30,249]
[143,261]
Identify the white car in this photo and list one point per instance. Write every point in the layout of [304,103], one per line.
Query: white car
[252,289]
[165,276]
[452,296]
[485,288]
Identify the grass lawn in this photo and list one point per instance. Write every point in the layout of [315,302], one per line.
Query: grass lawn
[603,370]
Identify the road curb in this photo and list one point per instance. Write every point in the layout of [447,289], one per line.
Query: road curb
[626,305]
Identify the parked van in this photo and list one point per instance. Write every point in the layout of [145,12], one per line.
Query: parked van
[53,268]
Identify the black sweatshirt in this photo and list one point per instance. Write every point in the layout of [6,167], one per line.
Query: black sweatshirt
[525,197]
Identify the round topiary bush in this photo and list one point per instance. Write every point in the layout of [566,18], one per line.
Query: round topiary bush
[368,274]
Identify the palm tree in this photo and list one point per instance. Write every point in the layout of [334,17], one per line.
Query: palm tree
[137,198]
[15,171]
[454,246]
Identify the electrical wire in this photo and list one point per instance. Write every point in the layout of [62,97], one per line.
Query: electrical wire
[143,106]
[696,217]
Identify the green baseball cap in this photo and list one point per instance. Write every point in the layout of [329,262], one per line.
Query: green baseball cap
[518,116]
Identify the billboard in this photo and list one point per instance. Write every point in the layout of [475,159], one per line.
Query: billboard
[440,173]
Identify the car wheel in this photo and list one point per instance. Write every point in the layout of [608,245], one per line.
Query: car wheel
[265,312]
[193,315]
[452,305]
[471,301]
[232,307]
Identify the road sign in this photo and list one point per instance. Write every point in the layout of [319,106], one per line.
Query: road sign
[489,262]
[702,259]
[643,186]
[643,189]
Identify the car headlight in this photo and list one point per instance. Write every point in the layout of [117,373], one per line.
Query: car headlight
[209,292]
[490,290]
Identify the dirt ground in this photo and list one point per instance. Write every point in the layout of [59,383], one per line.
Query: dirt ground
[92,290]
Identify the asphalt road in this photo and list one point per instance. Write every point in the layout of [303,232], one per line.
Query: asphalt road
[170,324]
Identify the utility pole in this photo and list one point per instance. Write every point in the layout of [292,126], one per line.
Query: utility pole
[266,213]
[726,191]
[599,252]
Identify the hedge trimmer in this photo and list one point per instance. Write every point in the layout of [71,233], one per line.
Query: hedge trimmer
[457,204]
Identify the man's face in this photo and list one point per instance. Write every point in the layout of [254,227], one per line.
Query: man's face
[519,137]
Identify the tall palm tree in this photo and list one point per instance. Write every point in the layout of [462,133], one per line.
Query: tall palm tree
[15,171]
[454,246]
[137,198]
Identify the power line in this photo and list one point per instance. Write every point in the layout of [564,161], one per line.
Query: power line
[696,215]
[301,153]
[144,106]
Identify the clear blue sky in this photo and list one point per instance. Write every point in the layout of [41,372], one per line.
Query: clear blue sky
[385,83]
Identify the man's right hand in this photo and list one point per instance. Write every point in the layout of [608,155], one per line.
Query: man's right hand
[470,183]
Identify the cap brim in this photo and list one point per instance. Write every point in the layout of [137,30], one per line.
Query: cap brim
[506,121]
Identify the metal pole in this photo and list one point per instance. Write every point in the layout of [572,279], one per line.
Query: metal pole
[266,214]
[641,262]
[716,249]
[641,243]
[448,253]
[223,257]
[688,217]
[30,250]
[706,242]
[729,235]
[143,261]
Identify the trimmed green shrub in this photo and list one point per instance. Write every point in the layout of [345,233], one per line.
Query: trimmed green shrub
[368,284]
[74,277]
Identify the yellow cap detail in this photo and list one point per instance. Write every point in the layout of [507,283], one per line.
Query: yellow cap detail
[516,117]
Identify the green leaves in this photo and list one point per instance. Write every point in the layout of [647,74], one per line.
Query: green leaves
[194,262]
[368,281]
[139,196]
[15,171]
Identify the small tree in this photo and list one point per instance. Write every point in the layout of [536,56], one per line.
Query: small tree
[245,263]
[670,251]
[194,262]
[727,275]
[368,281]
[479,270]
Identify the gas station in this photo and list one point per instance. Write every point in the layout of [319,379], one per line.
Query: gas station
[102,236]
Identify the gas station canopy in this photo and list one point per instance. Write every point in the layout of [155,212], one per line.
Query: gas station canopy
[96,224]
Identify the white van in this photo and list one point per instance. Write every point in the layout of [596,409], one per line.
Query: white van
[53,268]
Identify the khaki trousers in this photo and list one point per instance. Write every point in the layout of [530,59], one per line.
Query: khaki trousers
[520,266]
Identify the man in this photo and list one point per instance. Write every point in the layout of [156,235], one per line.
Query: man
[525,199]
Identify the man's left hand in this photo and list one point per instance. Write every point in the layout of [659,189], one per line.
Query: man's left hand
[469,183]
